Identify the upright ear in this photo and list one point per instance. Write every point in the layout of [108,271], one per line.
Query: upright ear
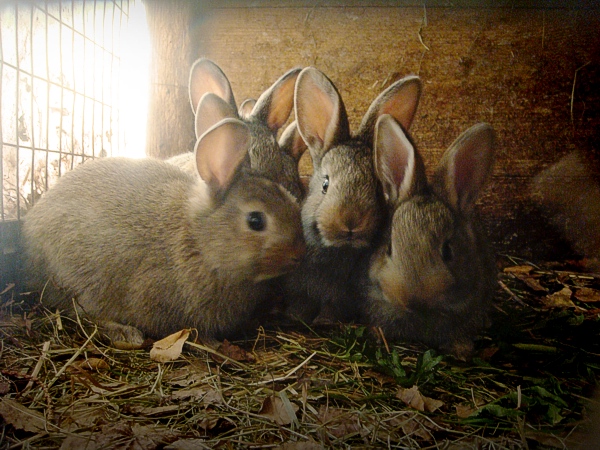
[274,105]
[398,165]
[400,100]
[291,142]
[206,76]
[246,107]
[466,166]
[320,113]
[219,153]
[211,110]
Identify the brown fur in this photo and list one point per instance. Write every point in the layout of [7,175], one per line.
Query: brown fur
[212,100]
[141,243]
[342,224]
[432,278]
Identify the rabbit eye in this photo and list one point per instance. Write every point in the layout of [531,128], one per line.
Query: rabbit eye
[256,221]
[447,253]
[325,184]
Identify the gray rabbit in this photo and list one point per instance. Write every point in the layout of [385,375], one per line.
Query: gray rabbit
[433,276]
[147,249]
[212,100]
[344,210]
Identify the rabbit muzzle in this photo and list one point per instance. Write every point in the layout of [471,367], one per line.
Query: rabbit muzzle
[281,259]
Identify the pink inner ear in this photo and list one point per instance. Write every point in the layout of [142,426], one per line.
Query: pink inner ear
[403,105]
[315,114]
[282,103]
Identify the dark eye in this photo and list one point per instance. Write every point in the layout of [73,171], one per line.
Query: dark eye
[256,220]
[447,254]
[325,184]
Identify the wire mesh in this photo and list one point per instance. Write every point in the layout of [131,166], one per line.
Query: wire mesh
[60,67]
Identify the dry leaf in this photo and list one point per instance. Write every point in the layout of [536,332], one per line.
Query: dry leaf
[532,282]
[413,398]
[154,411]
[338,422]
[4,388]
[275,409]
[587,295]
[465,410]
[560,299]
[208,396]
[235,352]
[169,348]
[123,436]
[95,364]
[525,269]
[414,427]
[301,445]
[21,417]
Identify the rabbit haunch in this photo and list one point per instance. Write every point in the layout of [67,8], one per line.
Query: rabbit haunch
[432,279]
[212,100]
[140,243]
[344,210]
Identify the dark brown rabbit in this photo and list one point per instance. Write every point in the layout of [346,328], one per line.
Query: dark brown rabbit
[212,100]
[433,277]
[147,249]
[344,209]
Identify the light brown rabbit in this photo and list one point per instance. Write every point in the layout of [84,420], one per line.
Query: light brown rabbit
[147,249]
[212,100]
[344,209]
[433,277]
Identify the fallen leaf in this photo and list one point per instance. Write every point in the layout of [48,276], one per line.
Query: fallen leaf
[560,299]
[21,417]
[587,295]
[276,409]
[465,410]
[415,428]
[208,396]
[301,445]
[122,435]
[169,348]
[95,364]
[524,269]
[147,411]
[531,282]
[413,398]
[186,376]
[4,388]
[338,422]
[235,352]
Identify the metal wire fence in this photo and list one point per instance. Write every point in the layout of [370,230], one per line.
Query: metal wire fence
[61,100]
[59,69]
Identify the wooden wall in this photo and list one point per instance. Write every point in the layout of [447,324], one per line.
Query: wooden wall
[532,72]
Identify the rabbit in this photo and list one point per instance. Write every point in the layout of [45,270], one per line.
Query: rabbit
[344,209]
[212,100]
[432,278]
[147,249]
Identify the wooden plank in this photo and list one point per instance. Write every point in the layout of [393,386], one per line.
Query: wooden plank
[532,73]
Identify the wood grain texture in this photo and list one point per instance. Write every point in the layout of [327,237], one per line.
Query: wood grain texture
[532,73]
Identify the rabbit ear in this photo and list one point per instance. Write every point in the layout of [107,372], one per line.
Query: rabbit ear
[291,142]
[212,109]
[206,76]
[400,100]
[320,113]
[466,166]
[246,107]
[274,105]
[220,151]
[398,166]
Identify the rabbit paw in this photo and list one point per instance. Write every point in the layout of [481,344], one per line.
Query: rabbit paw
[122,336]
